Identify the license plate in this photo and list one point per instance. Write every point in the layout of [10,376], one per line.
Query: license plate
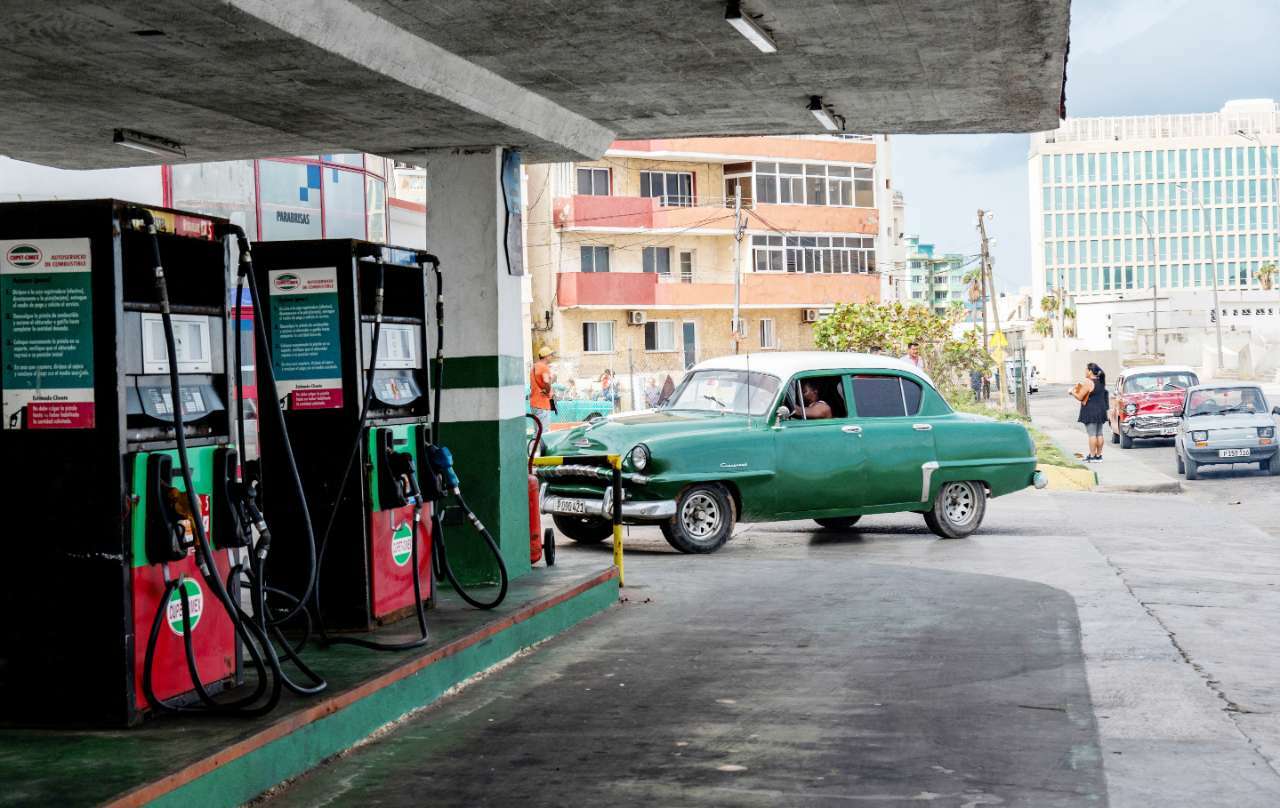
[574,505]
[1233,453]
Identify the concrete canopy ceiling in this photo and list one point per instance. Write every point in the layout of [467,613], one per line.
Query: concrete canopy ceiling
[561,78]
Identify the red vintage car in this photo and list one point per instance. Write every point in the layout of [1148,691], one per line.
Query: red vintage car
[1148,402]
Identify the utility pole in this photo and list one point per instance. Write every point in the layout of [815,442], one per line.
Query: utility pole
[983,274]
[738,227]
[1155,289]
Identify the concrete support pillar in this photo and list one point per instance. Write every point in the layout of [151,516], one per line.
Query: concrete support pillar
[482,414]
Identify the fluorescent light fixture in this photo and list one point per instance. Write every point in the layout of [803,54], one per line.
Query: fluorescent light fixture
[820,112]
[749,28]
[151,144]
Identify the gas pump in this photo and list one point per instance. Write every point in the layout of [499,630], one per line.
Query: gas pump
[119,441]
[346,324]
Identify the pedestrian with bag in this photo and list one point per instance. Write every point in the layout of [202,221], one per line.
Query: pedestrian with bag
[1094,404]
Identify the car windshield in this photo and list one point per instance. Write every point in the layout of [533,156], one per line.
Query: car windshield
[725,391]
[1151,382]
[1225,400]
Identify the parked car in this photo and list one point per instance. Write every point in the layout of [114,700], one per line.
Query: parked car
[1225,424]
[734,443]
[1148,402]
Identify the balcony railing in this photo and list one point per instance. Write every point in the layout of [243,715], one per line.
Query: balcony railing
[633,214]
[648,290]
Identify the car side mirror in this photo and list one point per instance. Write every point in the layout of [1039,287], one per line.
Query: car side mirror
[784,413]
[1275,410]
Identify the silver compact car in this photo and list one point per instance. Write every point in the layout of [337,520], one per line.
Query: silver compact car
[1226,423]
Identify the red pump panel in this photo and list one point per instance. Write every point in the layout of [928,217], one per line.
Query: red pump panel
[390,559]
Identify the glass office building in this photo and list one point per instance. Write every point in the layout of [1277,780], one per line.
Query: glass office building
[1134,206]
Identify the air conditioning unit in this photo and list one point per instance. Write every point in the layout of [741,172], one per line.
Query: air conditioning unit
[636,318]
[810,315]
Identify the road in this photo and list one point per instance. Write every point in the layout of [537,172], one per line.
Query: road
[1082,649]
[1241,488]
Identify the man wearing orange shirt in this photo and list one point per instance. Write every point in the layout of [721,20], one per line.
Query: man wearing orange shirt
[540,379]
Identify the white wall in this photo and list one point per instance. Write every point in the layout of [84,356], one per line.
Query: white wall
[21,182]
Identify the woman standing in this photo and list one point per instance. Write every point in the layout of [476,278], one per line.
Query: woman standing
[1094,404]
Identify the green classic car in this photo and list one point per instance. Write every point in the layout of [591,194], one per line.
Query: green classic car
[779,436]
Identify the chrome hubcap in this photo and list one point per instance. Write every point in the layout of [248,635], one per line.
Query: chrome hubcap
[700,516]
[957,503]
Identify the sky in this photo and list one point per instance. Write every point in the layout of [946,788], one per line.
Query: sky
[1128,57]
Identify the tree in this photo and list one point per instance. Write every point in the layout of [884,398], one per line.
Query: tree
[889,327]
[1043,326]
[1266,275]
[1069,321]
[1049,304]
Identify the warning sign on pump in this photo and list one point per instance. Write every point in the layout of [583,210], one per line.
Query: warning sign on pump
[46,328]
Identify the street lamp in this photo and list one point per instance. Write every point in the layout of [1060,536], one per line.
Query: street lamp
[1275,203]
[1213,265]
[1155,288]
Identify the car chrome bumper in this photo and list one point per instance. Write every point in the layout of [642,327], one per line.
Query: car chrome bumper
[1149,430]
[646,511]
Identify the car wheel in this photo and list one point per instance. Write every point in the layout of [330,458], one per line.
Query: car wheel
[1115,438]
[1270,467]
[584,529]
[838,522]
[704,519]
[1126,442]
[957,510]
[1193,469]
[1182,469]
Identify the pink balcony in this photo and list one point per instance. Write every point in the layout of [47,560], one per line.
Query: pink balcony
[641,290]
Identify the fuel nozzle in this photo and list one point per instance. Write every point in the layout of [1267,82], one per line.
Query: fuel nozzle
[406,473]
[442,462]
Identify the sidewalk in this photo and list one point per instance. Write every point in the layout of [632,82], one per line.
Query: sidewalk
[1055,414]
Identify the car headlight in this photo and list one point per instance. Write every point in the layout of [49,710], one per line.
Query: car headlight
[1266,431]
[1130,409]
[1200,436]
[639,457]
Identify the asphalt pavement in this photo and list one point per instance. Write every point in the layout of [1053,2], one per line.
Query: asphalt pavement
[1081,649]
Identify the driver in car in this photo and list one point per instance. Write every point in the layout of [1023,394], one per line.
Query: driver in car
[814,407]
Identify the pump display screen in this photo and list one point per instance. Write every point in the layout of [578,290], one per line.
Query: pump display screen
[191,338]
[397,346]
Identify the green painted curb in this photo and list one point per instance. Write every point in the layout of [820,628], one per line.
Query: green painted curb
[247,777]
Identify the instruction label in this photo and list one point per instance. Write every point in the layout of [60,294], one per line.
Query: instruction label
[46,334]
[305,348]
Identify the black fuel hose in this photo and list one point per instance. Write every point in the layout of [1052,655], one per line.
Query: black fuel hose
[449,481]
[252,639]
[259,589]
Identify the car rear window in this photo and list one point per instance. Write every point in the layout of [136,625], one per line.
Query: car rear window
[885,396]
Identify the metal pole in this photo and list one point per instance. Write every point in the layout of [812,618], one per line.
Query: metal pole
[1213,266]
[1155,293]
[982,230]
[737,266]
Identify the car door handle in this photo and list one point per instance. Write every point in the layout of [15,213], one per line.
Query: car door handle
[922,427]
[852,430]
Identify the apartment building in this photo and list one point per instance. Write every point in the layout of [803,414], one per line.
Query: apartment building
[632,257]
[936,279]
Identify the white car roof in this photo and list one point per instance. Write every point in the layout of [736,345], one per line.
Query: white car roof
[1157,369]
[784,364]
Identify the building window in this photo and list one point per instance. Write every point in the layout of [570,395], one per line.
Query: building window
[657,259]
[594,259]
[826,254]
[289,197]
[768,339]
[597,336]
[660,335]
[790,183]
[686,266]
[737,175]
[671,188]
[593,182]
